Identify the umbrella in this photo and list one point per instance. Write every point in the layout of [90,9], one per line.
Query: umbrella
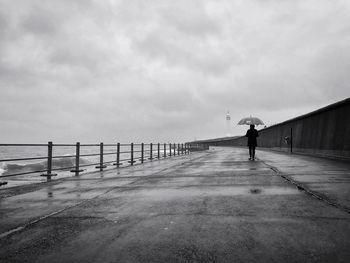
[250,120]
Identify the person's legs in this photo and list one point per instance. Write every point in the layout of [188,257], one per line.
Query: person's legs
[253,152]
[250,152]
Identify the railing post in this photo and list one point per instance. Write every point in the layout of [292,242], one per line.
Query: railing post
[49,162]
[182,148]
[178,149]
[77,160]
[151,151]
[132,154]
[164,150]
[170,149]
[49,158]
[174,149]
[158,153]
[101,156]
[118,155]
[101,166]
[142,152]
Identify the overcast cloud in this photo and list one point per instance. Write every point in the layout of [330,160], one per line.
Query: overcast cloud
[89,71]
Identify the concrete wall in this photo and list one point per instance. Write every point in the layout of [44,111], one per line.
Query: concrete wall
[325,132]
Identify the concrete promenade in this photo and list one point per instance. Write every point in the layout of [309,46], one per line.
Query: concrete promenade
[212,206]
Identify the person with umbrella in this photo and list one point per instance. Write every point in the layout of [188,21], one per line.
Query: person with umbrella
[252,134]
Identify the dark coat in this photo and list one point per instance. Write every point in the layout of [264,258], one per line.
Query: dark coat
[252,134]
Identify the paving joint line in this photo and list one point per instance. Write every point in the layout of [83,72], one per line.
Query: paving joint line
[303,188]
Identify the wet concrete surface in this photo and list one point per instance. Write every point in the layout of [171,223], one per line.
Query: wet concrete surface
[213,206]
[328,179]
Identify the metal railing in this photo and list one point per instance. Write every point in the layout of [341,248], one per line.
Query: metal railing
[198,146]
[123,154]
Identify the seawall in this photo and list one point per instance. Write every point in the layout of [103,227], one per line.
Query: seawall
[324,132]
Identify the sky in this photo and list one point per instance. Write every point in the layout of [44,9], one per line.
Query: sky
[163,70]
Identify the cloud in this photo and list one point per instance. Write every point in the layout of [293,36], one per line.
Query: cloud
[163,70]
[40,23]
[189,18]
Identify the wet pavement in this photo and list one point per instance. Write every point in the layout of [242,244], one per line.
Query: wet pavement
[212,206]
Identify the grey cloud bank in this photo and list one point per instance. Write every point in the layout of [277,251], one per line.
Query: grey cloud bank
[165,70]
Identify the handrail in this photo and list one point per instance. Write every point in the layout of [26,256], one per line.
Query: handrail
[138,152]
[21,144]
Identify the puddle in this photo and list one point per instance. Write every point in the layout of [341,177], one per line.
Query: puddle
[255,191]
